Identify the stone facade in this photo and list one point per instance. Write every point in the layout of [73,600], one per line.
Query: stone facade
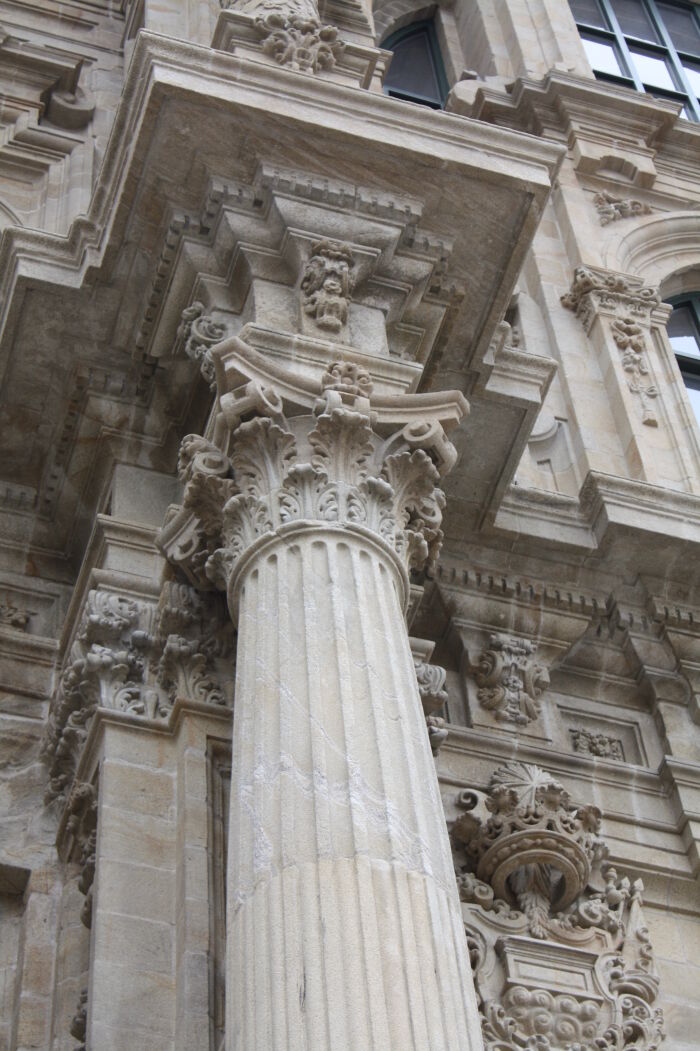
[349,537]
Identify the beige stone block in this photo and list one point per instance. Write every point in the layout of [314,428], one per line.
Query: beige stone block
[127,999]
[137,788]
[141,838]
[136,890]
[136,942]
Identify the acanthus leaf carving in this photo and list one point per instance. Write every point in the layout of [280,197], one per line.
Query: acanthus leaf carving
[125,658]
[299,42]
[326,464]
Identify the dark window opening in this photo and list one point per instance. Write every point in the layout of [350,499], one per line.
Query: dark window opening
[684,336]
[416,73]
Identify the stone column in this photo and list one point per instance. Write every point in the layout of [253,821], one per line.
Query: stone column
[344,926]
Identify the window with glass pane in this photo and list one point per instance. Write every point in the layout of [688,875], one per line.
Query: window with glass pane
[684,335]
[645,45]
[416,73]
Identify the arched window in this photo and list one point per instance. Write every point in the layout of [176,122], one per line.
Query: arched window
[416,73]
[684,335]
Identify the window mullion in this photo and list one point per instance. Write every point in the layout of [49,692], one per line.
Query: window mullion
[622,44]
[686,87]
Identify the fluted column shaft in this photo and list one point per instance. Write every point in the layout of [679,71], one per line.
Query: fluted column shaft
[344,927]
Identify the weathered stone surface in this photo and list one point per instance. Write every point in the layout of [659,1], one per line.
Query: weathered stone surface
[237,284]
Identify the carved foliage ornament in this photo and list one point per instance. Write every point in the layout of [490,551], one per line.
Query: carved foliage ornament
[630,339]
[509,679]
[611,208]
[431,687]
[131,658]
[292,34]
[609,290]
[543,909]
[601,745]
[329,466]
[197,333]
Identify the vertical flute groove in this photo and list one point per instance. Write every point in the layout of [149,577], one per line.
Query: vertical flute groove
[344,919]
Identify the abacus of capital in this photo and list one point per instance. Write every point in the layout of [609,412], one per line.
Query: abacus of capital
[310,507]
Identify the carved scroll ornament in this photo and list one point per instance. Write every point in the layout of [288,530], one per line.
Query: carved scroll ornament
[292,34]
[290,467]
[543,909]
[431,687]
[134,659]
[509,679]
[197,333]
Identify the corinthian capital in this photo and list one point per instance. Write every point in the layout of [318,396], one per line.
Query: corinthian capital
[324,455]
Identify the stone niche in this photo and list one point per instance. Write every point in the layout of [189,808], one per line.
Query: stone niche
[558,944]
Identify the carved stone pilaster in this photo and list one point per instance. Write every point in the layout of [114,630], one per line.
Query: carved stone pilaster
[130,657]
[593,289]
[433,695]
[509,679]
[626,305]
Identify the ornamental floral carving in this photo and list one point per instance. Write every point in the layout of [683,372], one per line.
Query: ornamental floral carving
[593,288]
[561,954]
[611,208]
[299,42]
[197,333]
[431,687]
[326,286]
[82,828]
[324,462]
[292,34]
[600,745]
[509,679]
[12,616]
[129,657]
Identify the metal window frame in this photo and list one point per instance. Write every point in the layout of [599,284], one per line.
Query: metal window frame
[666,49]
[425,26]
[689,368]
